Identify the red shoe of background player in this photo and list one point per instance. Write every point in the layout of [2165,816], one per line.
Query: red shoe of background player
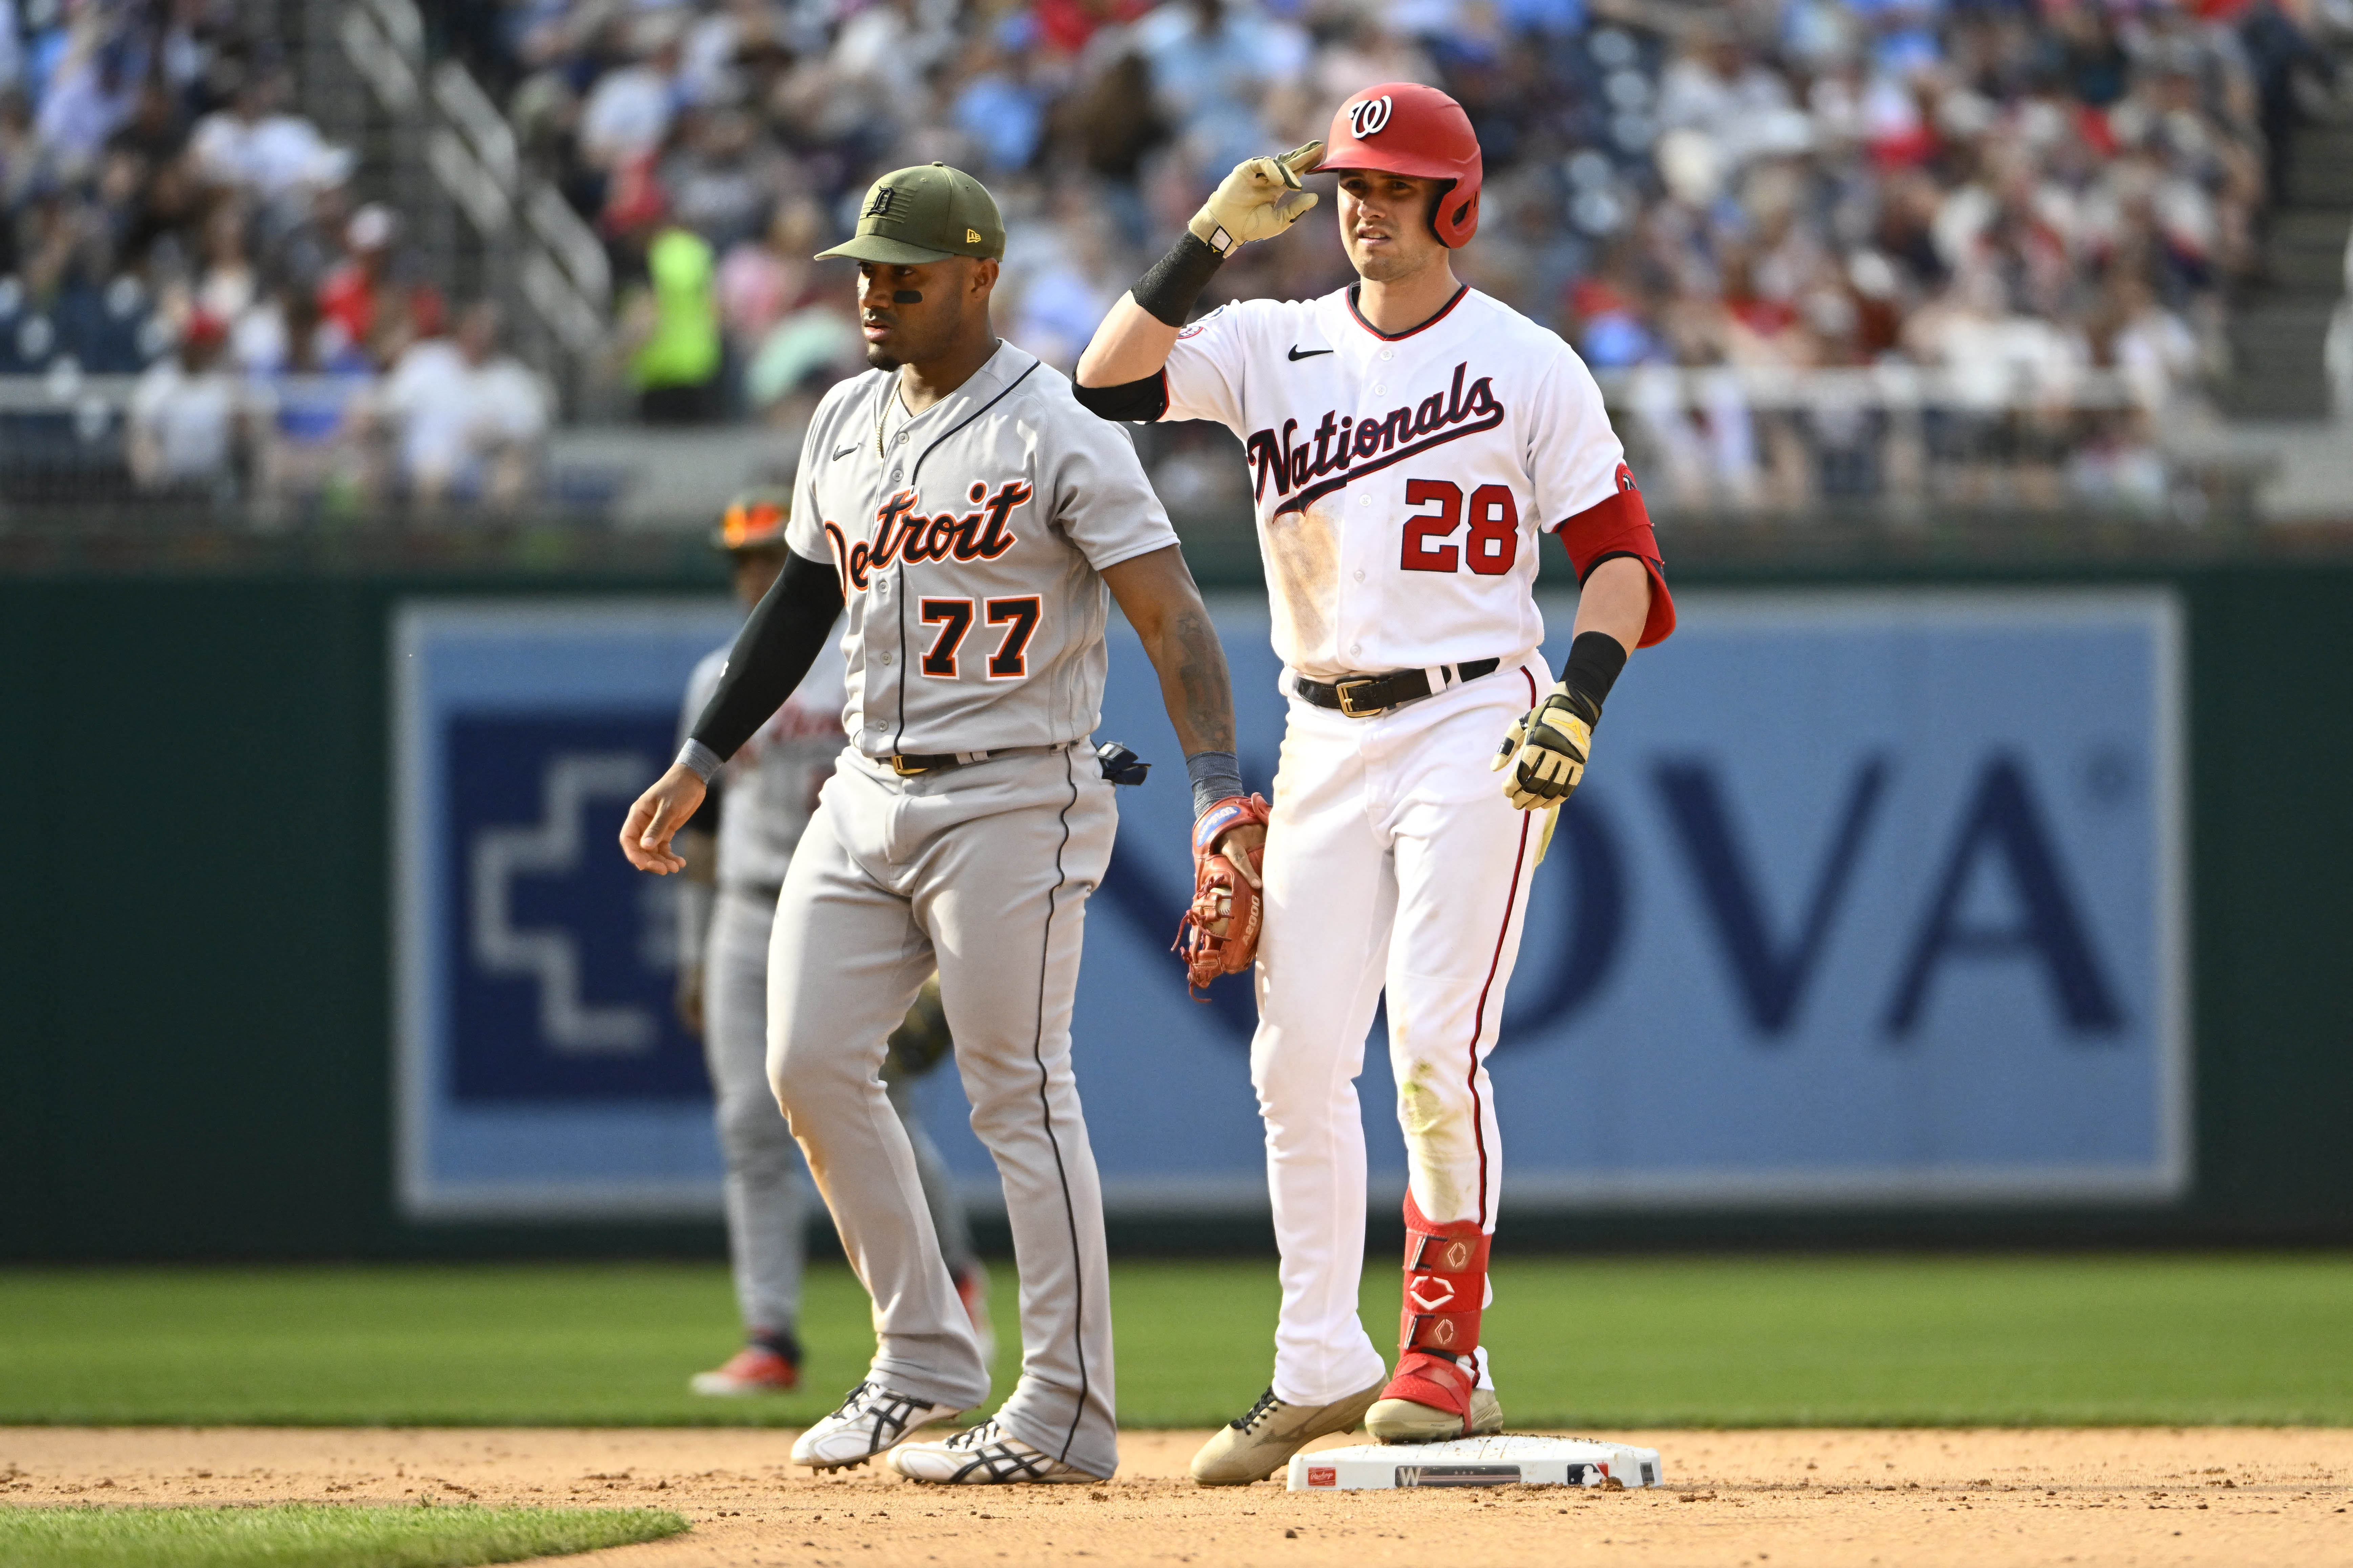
[754,1369]
[972,1290]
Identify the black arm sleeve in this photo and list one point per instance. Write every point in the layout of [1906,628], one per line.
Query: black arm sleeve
[1140,401]
[772,653]
[1172,285]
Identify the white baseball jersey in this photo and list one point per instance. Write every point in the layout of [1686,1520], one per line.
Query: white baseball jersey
[1400,481]
[771,782]
[970,538]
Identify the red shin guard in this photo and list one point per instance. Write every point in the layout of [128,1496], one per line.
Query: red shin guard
[1445,1288]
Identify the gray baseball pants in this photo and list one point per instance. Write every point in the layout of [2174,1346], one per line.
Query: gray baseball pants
[984,872]
[766,1205]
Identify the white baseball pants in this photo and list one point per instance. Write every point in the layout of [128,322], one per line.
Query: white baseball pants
[1393,862]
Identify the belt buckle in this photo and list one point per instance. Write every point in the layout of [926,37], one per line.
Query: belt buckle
[1344,692]
[899,765]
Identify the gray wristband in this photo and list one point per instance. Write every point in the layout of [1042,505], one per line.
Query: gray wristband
[1215,775]
[699,760]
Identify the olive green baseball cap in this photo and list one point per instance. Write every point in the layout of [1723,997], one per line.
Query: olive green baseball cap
[927,213]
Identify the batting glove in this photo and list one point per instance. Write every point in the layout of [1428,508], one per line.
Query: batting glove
[1258,201]
[1546,748]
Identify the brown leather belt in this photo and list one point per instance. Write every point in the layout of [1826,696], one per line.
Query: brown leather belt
[1370,696]
[907,764]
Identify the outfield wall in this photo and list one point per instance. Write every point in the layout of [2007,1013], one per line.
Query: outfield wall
[1863,935]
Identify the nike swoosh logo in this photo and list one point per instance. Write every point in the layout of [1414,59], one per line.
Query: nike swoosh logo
[845,451]
[1298,353]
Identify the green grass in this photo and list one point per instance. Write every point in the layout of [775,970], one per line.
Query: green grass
[1943,1341]
[314,1535]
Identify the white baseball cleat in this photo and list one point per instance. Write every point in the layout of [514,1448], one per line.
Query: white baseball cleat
[986,1455]
[870,1420]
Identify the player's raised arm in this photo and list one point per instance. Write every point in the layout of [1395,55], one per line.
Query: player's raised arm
[1261,198]
[775,650]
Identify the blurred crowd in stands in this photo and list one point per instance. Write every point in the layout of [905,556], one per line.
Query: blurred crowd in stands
[171,217]
[2005,194]
[2016,190]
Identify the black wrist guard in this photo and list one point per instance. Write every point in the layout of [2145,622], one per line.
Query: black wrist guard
[1172,286]
[1595,659]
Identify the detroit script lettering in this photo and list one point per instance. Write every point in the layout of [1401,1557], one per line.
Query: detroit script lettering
[903,533]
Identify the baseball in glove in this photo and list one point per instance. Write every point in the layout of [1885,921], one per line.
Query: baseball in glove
[1218,934]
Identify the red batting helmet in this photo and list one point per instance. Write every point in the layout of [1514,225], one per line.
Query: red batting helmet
[1405,128]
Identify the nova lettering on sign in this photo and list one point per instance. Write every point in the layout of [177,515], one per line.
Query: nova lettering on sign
[1869,897]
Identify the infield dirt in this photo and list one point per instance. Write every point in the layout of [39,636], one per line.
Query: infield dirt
[1801,1499]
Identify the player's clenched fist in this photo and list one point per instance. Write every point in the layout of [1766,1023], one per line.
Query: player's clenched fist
[1258,201]
[1546,750]
[658,814]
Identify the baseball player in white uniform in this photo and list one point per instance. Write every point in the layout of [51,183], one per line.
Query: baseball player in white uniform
[1407,438]
[733,875]
[976,522]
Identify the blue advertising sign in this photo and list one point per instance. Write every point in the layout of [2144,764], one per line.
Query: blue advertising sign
[542,1069]
[1871,897]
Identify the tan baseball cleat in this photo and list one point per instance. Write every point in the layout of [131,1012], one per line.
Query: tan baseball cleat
[1263,1440]
[1405,1421]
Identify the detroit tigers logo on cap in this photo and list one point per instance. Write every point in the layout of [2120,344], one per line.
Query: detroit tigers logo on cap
[879,205]
[1367,118]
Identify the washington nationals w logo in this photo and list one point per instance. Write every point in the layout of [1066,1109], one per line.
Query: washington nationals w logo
[1367,118]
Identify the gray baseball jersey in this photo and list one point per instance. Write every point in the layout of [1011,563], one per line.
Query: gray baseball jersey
[771,782]
[970,538]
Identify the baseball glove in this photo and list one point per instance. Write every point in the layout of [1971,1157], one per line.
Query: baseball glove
[921,1040]
[1218,935]
[1258,199]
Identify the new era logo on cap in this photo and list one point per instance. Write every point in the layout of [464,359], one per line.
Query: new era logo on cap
[972,236]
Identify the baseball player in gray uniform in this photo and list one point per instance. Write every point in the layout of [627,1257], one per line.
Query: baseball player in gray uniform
[734,874]
[975,520]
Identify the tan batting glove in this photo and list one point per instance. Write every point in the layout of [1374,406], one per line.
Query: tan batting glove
[1258,201]
[1545,750]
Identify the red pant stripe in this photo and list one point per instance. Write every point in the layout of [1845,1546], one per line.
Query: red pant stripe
[1494,962]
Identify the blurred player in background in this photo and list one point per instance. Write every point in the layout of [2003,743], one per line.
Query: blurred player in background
[1408,437]
[761,802]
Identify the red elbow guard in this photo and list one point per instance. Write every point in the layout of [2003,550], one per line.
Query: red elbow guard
[1620,525]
